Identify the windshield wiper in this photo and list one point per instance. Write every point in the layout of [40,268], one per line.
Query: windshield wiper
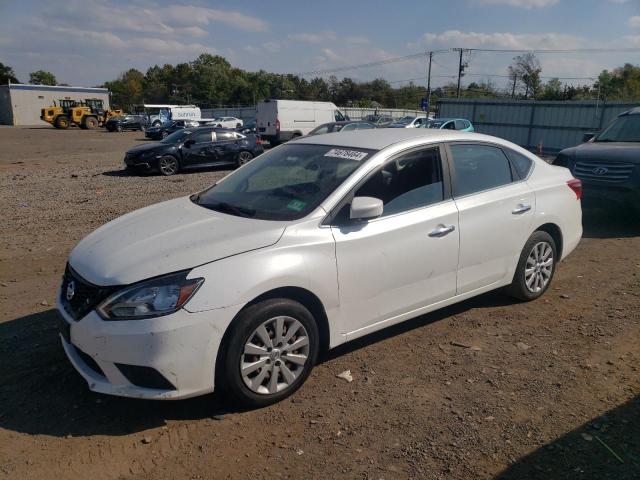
[225,207]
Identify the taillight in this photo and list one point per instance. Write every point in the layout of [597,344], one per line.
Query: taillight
[258,141]
[576,186]
[277,124]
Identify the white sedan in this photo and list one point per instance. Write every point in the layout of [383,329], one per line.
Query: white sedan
[228,122]
[312,244]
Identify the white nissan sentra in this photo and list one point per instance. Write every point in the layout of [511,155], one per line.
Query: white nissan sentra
[312,244]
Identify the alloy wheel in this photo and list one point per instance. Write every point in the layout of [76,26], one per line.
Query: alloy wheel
[275,355]
[539,267]
[168,165]
[244,157]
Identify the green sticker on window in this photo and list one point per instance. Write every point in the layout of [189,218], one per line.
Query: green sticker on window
[297,205]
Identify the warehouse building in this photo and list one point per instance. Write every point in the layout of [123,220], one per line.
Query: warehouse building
[21,104]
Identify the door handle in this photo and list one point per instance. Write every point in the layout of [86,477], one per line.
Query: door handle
[441,230]
[521,208]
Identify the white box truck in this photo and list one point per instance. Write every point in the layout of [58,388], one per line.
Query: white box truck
[282,120]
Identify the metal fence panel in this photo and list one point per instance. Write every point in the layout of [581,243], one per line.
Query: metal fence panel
[529,123]
[354,113]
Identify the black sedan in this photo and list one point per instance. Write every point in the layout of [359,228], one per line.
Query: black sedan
[161,131]
[344,126]
[127,122]
[193,148]
[609,163]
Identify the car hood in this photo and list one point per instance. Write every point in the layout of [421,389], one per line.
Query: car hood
[148,147]
[165,238]
[615,151]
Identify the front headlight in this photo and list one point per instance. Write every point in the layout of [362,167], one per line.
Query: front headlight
[152,298]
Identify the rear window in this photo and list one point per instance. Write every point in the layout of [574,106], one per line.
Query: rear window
[522,163]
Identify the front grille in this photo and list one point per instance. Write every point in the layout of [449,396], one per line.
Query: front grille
[608,172]
[86,296]
[145,377]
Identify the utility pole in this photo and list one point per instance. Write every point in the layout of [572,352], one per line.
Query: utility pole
[513,90]
[429,82]
[460,69]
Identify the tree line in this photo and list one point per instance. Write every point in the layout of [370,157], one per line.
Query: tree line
[211,81]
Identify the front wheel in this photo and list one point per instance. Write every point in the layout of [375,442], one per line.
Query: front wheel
[269,353]
[535,268]
[168,165]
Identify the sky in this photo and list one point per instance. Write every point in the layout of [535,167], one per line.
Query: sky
[87,42]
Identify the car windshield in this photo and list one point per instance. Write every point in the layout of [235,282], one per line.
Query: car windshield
[623,129]
[176,137]
[434,124]
[286,183]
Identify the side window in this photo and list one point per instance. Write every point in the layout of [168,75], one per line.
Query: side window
[202,137]
[419,121]
[225,136]
[479,167]
[410,181]
[365,126]
[523,164]
[338,116]
[351,126]
[449,126]
[321,130]
[460,124]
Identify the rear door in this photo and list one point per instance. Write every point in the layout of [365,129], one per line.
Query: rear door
[201,151]
[496,214]
[405,259]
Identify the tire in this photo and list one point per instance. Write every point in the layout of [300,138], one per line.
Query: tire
[119,128]
[142,128]
[164,133]
[168,165]
[238,126]
[255,388]
[90,123]
[532,277]
[244,157]
[61,122]
[156,124]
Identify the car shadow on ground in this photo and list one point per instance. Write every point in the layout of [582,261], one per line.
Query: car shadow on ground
[142,173]
[604,448]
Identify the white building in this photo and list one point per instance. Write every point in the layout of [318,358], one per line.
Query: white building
[21,104]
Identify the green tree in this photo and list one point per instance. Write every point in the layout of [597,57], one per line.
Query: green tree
[42,77]
[7,75]
[526,69]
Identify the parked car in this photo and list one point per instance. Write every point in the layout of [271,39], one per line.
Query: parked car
[281,120]
[346,126]
[127,122]
[609,163]
[194,148]
[161,131]
[227,122]
[312,244]
[460,124]
[379,120]
[410,121]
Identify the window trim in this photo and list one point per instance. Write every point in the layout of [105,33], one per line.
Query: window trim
[515,176]
[447,192]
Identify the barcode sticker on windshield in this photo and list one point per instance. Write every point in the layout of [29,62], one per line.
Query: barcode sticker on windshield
[349,154]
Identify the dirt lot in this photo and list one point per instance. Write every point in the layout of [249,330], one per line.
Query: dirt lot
[548,389]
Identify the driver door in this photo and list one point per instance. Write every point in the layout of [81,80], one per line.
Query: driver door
[198,149]
[406,259]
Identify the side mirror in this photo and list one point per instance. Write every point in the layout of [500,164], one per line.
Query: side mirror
[588,136]
[365,208]
[188,142]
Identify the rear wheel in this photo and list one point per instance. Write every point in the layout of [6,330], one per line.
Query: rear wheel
[244,157]
[269,352]
[535,268]
[62,122]
[118,128]
[168,165]
[90,123]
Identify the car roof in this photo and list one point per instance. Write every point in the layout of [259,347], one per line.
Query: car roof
[381,138]
[633,111]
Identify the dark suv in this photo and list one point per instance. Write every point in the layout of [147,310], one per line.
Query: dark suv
[609,163]
[127,122]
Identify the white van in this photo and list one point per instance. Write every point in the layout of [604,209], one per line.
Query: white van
[159,114]
[282,120]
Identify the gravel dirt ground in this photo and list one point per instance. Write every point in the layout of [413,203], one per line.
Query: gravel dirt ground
[489,388]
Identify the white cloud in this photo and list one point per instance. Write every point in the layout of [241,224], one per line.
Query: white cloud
[633,40]
[190,15]
[634,22]
[506,40]
[522,3]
